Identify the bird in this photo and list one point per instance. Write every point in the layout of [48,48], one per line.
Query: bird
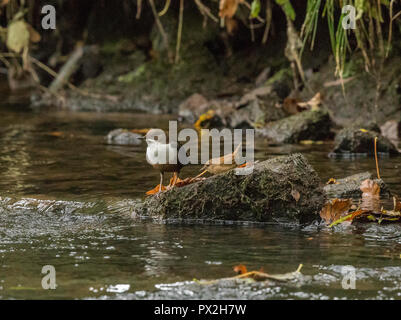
[222,164]
[158,155]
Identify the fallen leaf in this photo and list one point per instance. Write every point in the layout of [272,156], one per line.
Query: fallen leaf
[312,104]
[308,142]
[332,181]
[256,275]
[290,105]
[335,209]
[370,196]
[240,269]
[203,118]
[296,195]
[155,190]
[34,36]
[140,131]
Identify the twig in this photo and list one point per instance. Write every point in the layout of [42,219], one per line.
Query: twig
[71,86]
[139,8]
[268,21]
[249,7]
[161,29]
[67,69]
[165,9]
[179,33]
[377,163]
[206,11]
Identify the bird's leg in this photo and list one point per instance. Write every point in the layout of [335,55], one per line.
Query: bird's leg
[175,178]
[161,182]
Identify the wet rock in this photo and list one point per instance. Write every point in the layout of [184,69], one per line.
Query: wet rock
[391,130]
[263,76]
[353,141]
[255,113]
[193,107]
[349,187]
[123,137]
[255,108]
[266,194]
[308,125]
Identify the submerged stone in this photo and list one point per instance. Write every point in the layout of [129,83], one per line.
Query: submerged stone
[308,125]
[283,189]
[123,137]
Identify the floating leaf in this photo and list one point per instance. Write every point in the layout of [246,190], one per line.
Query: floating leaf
[370,196]
[335,209]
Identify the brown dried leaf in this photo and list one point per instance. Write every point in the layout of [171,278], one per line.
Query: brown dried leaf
[228,8]
[34,36]
[155,190]
[334,209]
[290,105]
[296,195]
[370,196]
[240,269]
[313,103]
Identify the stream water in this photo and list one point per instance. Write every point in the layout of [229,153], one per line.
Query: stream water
[61,194]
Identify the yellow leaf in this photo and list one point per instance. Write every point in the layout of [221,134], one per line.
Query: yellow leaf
[18,36]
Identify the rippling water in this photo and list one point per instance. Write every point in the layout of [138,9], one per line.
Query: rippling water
[65,198]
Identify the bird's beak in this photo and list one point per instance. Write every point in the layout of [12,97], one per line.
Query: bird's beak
[141,137]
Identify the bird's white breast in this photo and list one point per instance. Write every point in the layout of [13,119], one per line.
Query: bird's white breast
[159,153]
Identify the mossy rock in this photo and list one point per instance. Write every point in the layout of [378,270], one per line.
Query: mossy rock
[283,189]
[353,141]
[308,125]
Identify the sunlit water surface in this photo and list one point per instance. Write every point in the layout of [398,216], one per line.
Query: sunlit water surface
[62,193]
